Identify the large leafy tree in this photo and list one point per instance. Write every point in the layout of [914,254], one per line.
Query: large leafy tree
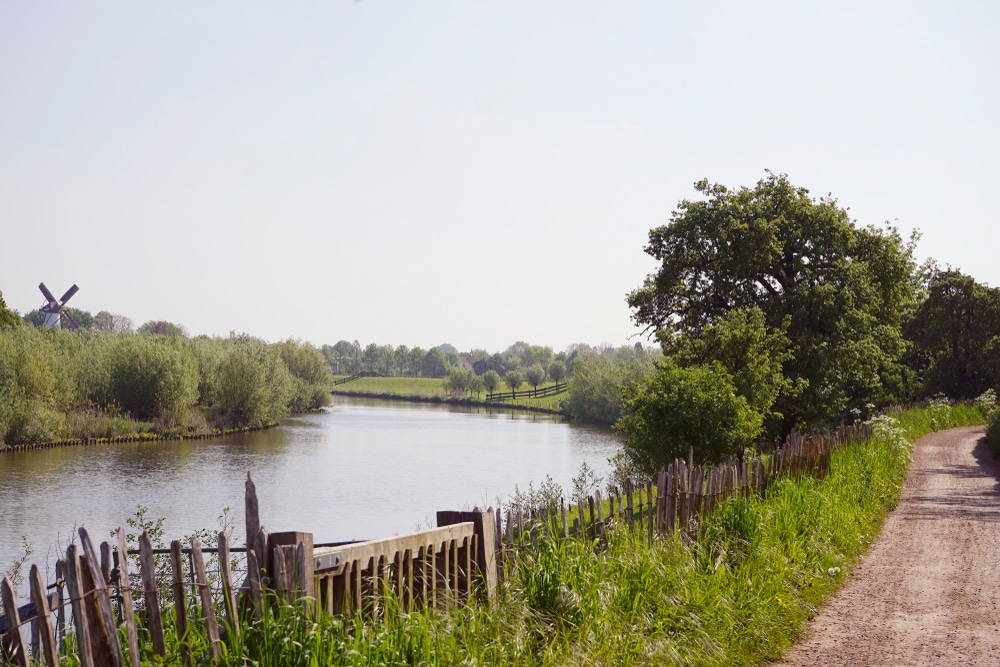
[955,335]
[838,291]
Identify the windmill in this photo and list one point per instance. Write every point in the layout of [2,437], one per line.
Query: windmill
[53,310]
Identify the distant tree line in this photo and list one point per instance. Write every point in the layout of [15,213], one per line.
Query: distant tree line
[92,383]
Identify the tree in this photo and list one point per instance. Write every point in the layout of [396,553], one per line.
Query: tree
[163,328]
[513,380]
[401,355]
[534,375]
[434,364]
[956,336]
[557,371]
[8,318]
[112,322]
[458,381]
[597,382]
[491,380]
[841,289]
[683,407]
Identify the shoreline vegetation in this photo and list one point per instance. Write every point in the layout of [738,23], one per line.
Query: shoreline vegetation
[87,386]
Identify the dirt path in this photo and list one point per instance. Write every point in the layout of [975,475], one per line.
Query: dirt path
[928,592]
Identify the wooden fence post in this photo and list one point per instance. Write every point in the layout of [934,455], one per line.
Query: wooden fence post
[205,593]
[43,617]
[486,560]
[125,591]
[180,604]
[14,641]
[105,614]
[228,595]
[74,581]
[151,595]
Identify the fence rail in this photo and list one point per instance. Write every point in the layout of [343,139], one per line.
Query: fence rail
[551,390]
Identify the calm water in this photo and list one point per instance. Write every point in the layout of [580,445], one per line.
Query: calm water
[362,470]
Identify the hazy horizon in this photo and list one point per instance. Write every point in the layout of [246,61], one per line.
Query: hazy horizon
[419,174]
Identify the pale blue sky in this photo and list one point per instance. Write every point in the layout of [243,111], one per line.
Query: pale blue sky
[464,172]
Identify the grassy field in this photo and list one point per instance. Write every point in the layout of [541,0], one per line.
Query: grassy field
[739,595]
[429,388]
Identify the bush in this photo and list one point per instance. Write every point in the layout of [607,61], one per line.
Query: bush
[684,407]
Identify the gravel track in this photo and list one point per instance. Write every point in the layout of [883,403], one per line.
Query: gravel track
[928,591]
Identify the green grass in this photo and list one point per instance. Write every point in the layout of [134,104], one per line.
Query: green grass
[405,387]
[739,596]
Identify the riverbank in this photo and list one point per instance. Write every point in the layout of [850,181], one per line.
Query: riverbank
[134,437]
[430,390]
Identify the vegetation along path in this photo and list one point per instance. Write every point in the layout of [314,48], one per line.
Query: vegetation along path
[926,593]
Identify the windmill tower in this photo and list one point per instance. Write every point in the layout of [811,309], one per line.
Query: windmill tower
[53,310]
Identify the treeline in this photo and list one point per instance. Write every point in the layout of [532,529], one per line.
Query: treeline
[776,312]
[346,358]
[595,374]
[57,384]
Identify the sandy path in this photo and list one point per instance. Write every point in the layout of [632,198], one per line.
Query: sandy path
[928,592]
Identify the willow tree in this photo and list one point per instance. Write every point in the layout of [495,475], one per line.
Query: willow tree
[837,291]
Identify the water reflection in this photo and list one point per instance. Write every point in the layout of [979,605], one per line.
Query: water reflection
[363,469]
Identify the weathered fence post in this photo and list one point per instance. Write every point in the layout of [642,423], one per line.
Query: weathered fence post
[74,581]
[125,591]
[482,529]
[105,615]
[228,594]
[180,604]
[14,641]
[151,595]
[43,618]
[205,593]
[299,570]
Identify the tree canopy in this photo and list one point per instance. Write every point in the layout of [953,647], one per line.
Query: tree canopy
[955,334]
[838,292]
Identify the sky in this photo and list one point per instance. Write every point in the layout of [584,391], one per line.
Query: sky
[469,173]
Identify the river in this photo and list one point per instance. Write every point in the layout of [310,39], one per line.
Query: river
[359,470]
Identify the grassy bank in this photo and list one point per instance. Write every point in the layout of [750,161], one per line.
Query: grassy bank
[432,390]
[739,595]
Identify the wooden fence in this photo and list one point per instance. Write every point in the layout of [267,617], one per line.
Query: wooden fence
[464,558]
[551,390]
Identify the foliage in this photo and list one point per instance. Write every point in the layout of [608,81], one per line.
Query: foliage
[112,322]
[838,291]
[534,375]
[514,379]
[683,407]
[8,318]
[253,386]
[310,375]
[163,328]
[557,371]
[57,384]
[491,380]
[152,380]
[955,334]
[434,364]
[741,343]
[460,380]
[597,382]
